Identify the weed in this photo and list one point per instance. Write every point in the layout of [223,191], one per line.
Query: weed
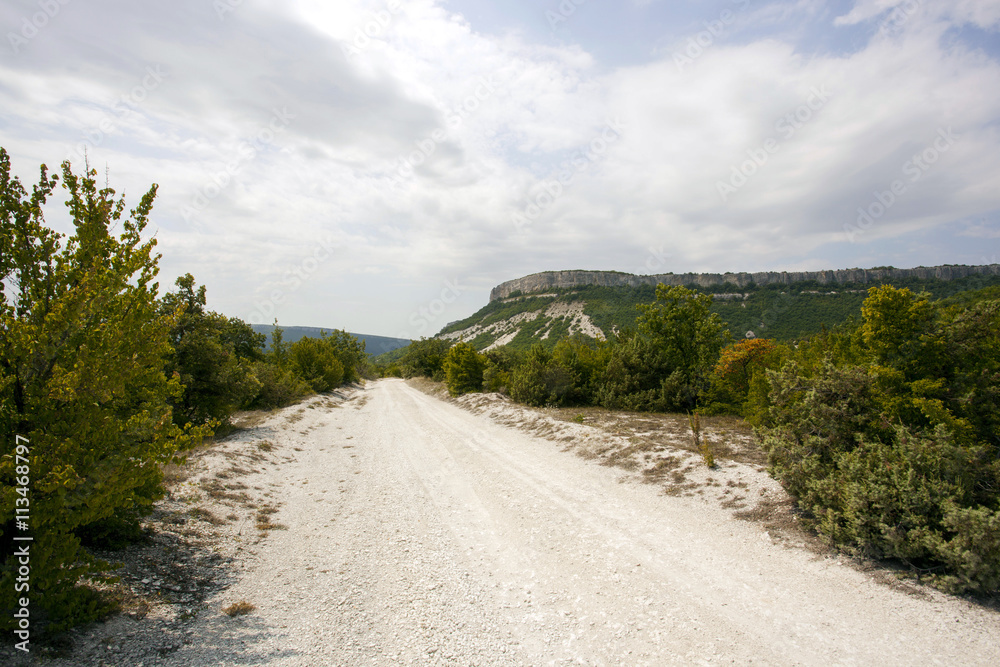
[265,445]
[238,608]
[701,444]
[579,418]
[205,515]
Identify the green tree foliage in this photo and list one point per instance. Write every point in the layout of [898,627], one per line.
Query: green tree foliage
[82,352]
[538,381]
[565,375]
[463,368]
[890,436]
[316,363]
[665,364]
[212,357]
[500,363]
[351,353]
[739,381]
[327,362]
[425,358]
[279,385]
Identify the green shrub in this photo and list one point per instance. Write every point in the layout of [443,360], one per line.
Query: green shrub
[500,363]
[897,456]
[424,358]
[211,357]
[463,368]
[541,380]
[82,378]
[278,386]
[316,362]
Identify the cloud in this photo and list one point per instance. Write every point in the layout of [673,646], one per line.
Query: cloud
[401,145]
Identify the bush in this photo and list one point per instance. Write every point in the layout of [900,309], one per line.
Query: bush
[211,355]
[278,386]
[425,358]
[735,372]
[897,457]
[315,361]
[463,368]
[500,363]
[542,380]
[82,379]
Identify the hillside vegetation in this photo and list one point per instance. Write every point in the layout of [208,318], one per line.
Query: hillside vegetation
[781,312]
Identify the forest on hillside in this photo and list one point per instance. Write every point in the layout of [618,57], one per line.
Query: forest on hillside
[781,312]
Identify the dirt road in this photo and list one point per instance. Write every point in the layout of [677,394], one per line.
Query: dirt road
[418,533]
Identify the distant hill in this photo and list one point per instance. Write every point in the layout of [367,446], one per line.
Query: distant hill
[546,280]
[374,345]
[546,307]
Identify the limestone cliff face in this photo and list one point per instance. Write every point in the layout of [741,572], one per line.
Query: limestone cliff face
[539,282]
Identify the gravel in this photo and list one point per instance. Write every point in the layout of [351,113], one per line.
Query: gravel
[401,529]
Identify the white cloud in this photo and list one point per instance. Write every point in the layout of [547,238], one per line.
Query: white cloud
[408,156]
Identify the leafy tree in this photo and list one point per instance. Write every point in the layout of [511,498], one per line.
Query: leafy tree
[82,352]
[211,357]
[684,331]
[425,358]
[530,382]
[542,380]
[500,363]
[738,381]
[664,364]
[350,351]
[463,368]
[315,361]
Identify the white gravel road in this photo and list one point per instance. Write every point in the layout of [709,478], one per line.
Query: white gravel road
[419,533]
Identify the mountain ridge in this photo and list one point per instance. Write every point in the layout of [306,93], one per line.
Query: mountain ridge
[537,282]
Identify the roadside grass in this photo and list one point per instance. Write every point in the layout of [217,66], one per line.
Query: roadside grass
[239,608]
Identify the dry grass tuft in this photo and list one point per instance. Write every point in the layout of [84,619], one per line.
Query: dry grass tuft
[239,608]
[205,515]
[701,444]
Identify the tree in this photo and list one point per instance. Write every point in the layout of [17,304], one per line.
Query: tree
[315,361]
[665,363]
[738,379]
[463,368]
[207,357]
[82,352]
[425,358]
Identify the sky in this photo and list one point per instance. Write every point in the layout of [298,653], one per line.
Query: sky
[379,166]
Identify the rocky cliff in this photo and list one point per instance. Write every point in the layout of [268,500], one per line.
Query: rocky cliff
[538,282]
